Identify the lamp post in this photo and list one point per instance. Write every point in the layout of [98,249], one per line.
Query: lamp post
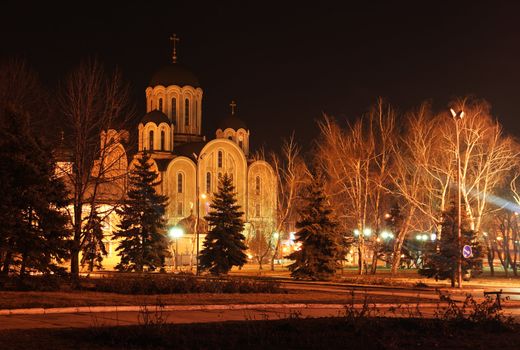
[176,233]
[456,117]
[197,190]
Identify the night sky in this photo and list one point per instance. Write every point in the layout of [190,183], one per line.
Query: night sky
[285,64]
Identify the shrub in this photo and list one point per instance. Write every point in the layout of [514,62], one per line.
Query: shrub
[160,284]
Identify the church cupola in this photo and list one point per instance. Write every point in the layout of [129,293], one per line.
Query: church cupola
[156,132]
[175,91]
[234,129]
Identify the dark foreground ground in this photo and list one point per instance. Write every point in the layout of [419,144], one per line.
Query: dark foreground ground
[295,333]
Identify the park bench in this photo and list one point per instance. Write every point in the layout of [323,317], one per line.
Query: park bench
[498,296]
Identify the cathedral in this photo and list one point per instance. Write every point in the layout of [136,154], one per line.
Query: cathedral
[190,165]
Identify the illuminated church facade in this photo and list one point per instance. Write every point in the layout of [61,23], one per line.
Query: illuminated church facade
[190,165]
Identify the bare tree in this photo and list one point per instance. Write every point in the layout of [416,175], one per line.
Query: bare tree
[358,161]
[92,103]
[291,173]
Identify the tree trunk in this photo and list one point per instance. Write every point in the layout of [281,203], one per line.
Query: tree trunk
[7,263]
[275,253]
[398,245]
[24,264]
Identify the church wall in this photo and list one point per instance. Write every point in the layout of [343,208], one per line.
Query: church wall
[194,96]
[185,198]
[262,194]
[233,163]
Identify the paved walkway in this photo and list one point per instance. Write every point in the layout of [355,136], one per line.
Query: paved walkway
[210,313]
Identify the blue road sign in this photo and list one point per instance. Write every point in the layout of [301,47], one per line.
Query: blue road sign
[466,251]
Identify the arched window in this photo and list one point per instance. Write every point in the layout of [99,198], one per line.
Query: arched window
[186,112]
[162,140]
[196,111]
[208,182]
[150,140]
[174,108]
[219,159]
[179,182]
[257,185]
[230,137]
[257,210]
[160,104]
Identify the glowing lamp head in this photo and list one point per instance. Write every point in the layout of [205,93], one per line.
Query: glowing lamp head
[175,232]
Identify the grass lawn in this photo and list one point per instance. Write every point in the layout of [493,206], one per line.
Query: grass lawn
[14,300]
[324,333]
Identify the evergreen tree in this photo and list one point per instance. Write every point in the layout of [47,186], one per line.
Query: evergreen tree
[92,245]
[440,260]
[318,235]
[224,244]
[143,244]
[34,236]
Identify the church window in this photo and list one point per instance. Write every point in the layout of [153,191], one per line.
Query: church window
[220,159]
[180,209]
[186,112]
[208,182]
[230,137]
[160,104]
[257,210]
[162,140]
[150,140]
[179,182]
[174,107]
[257,185]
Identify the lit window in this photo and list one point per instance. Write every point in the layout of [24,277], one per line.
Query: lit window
[257,185]
[160,104]
[179,182]
[220,159]
[162,140]
[174,107]
[150,140]
[180,209]
[208,182]
[186,112]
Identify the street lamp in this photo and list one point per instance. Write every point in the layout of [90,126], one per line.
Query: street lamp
[456,117]
[175,233]
[197,186]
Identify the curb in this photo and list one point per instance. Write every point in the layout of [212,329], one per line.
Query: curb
[153,308]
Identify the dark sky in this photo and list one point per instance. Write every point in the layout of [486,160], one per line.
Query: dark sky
[286,63]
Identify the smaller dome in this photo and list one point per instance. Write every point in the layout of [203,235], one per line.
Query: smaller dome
[174,74]
[156,117]
[232,122]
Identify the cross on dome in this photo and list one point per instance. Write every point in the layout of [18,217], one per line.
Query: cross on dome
[174,39]
[233,105]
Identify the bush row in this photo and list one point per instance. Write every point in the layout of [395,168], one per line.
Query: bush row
[164,284]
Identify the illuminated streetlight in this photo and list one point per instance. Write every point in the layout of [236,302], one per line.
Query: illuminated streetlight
[175,233]
[456,117]
[367,232]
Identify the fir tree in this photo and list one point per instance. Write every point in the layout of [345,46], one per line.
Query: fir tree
[92,245]
[143,244]
[318,235]
[440,261]
[34,236]
[224,244]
